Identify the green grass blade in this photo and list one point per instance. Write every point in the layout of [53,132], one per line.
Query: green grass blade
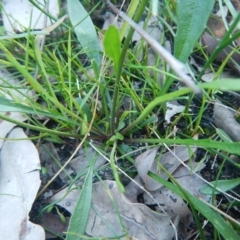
[130,12]
[223,85]
[84,29]
[7,105]
[79,219]
[233,147]
[192,16]
[224,185]
[214,217]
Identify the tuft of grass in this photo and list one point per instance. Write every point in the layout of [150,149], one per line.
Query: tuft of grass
[86,95]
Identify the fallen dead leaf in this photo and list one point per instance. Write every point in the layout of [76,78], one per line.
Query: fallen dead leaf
[170,161]
[15,20]
[138,220]
[172,109]
[6,80]
[211,39]
[144,163]
[81,163]
[54,224]
[172,204]
[190,180]
[224,119]
[49,158]
[19,184]
[208,77]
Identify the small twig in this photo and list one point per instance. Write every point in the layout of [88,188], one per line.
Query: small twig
[175,64]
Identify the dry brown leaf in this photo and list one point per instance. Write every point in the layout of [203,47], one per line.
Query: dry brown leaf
[66,198]
[208,77]
[81,163]
[170,161]
[224,119]
[6,80]
[173,108]
[216,26]
[139,221]
[48,155]
[19,184]
[13,19]
[54,224]
[144,163]
[172,204]
[190,180]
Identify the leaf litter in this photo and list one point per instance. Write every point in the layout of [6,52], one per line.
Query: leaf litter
[171,207]
[19,184]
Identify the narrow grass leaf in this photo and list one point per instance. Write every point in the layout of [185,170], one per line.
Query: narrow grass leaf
[231,147]
[84,29]
[192,16]
[7,105]
[112,45]
[226,84]
[79,219]
[224,185]
[214,217]
[223,135]
[130,12]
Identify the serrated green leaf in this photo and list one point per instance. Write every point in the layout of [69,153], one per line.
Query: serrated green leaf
[79,218]
[112,45]
[224,185]
[192,16]
[84,29]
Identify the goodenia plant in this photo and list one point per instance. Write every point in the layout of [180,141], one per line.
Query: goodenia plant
[176,65]
[192,17]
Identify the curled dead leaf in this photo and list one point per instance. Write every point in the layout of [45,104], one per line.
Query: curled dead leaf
[224,119]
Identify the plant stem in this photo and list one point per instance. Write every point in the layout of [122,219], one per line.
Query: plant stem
[115,106]
[157,101]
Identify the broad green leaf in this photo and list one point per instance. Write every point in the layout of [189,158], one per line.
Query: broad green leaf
[112,45]
[84,29]
[79,218]
[192,16]
[224,185]
[210,214]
